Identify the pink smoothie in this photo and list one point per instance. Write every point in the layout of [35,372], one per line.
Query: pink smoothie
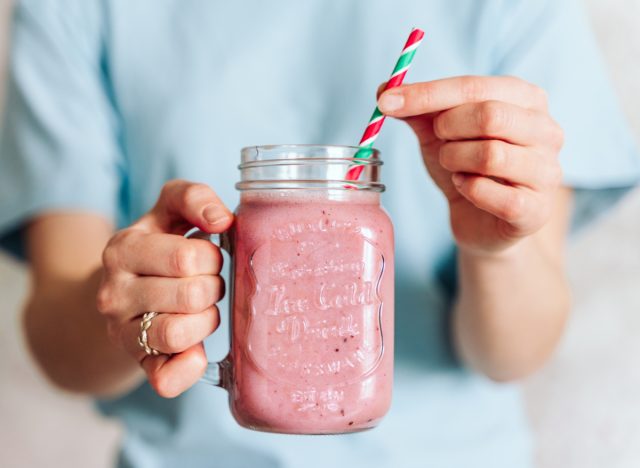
[312,344]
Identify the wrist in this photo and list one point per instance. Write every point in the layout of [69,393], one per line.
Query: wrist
[504,254]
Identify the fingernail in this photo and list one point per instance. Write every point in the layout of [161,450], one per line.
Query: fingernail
[391,101]
[457,179]
[213,215]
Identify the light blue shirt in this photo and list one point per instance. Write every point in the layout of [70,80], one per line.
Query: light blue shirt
[109,99]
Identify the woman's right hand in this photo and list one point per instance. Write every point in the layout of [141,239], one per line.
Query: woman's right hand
[150,267]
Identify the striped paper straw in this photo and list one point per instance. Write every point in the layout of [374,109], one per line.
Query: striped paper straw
[377,119]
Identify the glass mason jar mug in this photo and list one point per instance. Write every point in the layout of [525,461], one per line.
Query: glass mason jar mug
[311,293]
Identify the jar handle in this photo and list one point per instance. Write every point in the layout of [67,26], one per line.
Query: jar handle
[217,373]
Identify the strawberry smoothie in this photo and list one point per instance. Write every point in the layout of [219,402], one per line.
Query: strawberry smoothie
[312,321]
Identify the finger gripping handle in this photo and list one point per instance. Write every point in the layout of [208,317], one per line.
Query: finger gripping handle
[217,373]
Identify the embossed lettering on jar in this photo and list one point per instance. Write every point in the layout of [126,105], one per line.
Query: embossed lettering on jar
[312,312]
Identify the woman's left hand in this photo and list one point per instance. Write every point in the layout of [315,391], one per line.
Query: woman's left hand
[491,146]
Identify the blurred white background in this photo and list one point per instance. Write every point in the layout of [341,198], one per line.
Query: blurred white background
[584,406]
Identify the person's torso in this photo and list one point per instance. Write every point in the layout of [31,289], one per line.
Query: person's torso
[192,83]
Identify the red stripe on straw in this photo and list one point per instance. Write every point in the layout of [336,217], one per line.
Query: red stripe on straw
[373,128]
[396,81]
[354,172]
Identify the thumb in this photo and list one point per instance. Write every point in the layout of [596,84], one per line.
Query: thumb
[186,204]
[380,89]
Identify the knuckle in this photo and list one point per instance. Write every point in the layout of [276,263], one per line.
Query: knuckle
[472,88]
[215,318]
[200,362]
[492,117]
[441,126]
[492,157]
[193,193]
[218,260]
[194,295]
[513,207]
[184,260]
[112,255]
[170,187]
[125,236]
[421,93]
[219,288]
[474,189]
[105,301]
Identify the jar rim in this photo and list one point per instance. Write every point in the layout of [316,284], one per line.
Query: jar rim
[308,166]
[307,161]
[289,152]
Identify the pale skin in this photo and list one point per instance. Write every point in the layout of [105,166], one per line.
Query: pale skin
[487,142]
